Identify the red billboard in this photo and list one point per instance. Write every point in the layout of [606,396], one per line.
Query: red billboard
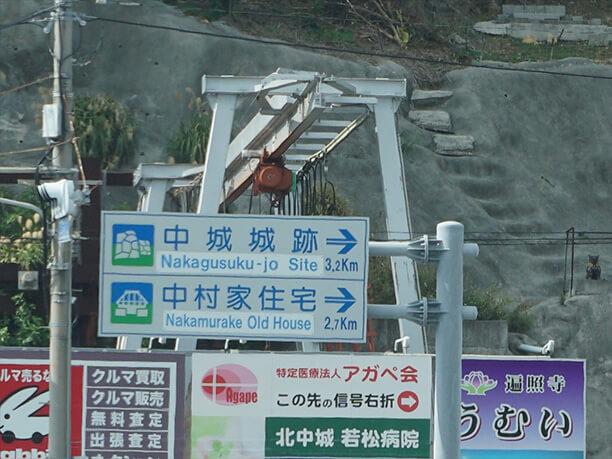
[122,404]
[24,409]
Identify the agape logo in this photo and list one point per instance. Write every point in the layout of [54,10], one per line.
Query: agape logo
[230,384]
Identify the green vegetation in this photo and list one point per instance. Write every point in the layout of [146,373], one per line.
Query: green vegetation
[406,142]
[331,36]
[12,218]
[105,129]
[21,243]
[380,281]
[427,280]
[520,319]
[508,49]
[21,234]
[210,10]
[492,303]
[26,254]
[331,204]
[419,28]
[188,145]
[23,328]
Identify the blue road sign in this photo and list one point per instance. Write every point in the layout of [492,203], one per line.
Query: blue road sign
[233,276]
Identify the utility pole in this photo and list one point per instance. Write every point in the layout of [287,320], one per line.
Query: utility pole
[60,314]
[62,78]
[64,202]
[60,345]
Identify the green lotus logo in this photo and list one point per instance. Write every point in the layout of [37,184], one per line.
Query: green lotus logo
[477,383]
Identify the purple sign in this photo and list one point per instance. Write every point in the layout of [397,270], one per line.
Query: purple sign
[522,407]
[128,410]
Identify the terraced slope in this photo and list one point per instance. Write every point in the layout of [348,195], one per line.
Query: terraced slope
[542,163]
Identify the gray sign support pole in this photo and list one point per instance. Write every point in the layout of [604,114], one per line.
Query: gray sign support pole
[449,291]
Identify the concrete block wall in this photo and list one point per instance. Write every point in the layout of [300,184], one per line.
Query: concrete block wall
[542,31]
[536,12]
[571,32]
[486,337]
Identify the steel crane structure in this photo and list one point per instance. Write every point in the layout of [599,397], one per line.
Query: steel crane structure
[301,117]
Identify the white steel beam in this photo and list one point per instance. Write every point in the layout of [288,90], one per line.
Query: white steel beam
[159,171]
[262,127]
[329,125]
[398,216]
[211,189]
[153,195]
[286,84]
[288,128]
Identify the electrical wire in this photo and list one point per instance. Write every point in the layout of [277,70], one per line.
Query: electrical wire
[25,85]
[45,234]
[499,238]
[30,150]
[504,233]
[320,47]
[531,242]
[344,50]
[27,18]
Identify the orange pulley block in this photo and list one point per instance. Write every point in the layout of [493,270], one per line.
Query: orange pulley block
[271,176]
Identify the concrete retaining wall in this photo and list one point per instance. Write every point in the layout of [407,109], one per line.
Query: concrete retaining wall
[543,31]
[540,12]
[591,287]
[487,337]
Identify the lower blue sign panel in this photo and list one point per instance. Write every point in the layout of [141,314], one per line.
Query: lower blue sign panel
[279,309]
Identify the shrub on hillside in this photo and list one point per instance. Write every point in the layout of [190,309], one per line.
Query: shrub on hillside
[105,129]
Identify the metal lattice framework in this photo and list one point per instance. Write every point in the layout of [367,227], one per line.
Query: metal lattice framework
[302,116]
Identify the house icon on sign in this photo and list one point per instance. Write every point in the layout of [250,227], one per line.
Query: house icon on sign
[132,303]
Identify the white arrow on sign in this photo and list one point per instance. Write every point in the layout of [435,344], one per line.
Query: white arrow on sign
[407,401]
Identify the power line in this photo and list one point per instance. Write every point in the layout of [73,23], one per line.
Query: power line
[344,50]
[30,150]
[25,85]
[318,47]
[27,18]
[497,239]
[503,233]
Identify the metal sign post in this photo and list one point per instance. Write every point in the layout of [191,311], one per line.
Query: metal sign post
[447,310]
[449,342]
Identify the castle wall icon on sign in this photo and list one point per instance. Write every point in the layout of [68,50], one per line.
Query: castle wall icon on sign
[129,246]
[131,302]
[133,245]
